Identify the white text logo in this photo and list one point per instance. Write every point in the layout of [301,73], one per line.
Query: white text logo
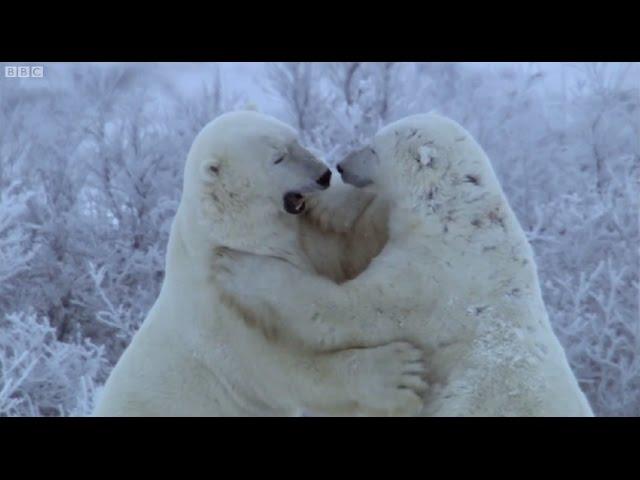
[21,71]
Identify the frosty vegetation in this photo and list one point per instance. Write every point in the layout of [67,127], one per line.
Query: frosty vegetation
[90,177]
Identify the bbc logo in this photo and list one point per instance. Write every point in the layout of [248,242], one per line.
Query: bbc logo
[17,71]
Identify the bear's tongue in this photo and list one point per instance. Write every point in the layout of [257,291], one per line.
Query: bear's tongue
[293,203]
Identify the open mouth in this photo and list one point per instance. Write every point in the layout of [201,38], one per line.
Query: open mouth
[293,203]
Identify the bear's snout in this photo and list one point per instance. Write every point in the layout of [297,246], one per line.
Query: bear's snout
[351,178]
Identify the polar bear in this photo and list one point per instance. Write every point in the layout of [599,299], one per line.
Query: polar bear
[457,270]
[196,355]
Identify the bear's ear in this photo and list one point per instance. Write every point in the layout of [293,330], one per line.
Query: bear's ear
[210,170]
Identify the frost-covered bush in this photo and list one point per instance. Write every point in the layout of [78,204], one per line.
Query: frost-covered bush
[40,375]
[15,251]
[337,107]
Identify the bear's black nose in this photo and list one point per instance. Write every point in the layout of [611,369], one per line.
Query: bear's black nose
[340,170]
[325,179]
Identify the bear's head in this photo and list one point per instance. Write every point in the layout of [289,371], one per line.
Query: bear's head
[422,159]
[244,172]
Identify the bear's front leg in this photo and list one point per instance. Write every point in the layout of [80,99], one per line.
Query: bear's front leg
[386,380]
[284,301]
[299,306]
